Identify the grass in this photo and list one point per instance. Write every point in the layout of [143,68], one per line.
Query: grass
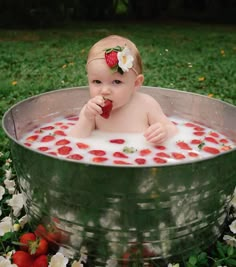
[190,57]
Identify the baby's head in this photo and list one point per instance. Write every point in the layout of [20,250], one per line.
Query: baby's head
[97,51]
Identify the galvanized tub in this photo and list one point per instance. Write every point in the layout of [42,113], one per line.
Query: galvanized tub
[153,212]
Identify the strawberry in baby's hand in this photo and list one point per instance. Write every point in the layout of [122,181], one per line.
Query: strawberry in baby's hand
[106,109]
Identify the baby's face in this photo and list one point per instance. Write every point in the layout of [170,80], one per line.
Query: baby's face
[117,87]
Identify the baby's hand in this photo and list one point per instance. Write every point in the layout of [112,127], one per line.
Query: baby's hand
[94,107]
[156,134]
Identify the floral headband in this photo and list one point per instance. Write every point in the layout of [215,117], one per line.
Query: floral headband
[119,59]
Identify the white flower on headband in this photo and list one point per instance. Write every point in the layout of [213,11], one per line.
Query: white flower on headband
[125,59]
[119,59]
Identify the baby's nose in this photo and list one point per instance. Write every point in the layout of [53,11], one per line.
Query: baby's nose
[106,89]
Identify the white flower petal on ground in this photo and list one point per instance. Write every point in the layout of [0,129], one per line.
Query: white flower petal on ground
[17,203]
[10,185]
[232,227]
[58,260]
[2,192]
[5,226]
[6,263]
[125,59]
[8,173]
[23,220]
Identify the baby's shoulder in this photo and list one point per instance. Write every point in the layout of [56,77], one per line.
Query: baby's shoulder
[145,98]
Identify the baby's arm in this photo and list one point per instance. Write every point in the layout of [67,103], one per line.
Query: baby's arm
[86,122]
[161,128]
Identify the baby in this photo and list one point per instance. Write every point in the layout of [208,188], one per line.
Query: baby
[114,69]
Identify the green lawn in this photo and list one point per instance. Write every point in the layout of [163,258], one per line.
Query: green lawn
[190,57]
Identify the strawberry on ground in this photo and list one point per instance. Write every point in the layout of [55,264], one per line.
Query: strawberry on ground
[41,261]
[22,259]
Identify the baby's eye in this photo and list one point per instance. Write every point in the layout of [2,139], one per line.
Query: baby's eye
[97,81]
[116,82]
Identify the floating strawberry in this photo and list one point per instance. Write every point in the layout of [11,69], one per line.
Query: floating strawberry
[43,148]
[106,109]
[121,162]
[193,154]
[62,142]
[47,138]
[199,133]
[145,152]
[162,155]
[75,156]
[211,150]
[117,141]
[183,145]
[22,259]
[32,138]
[59,132]
[140,161]
[119,155]
[99,159]
[97,152]
[82,145]
[159,160]
[41,261]
[46,128]
[160,147]
[211,139]
[64,150]
[177,155]
[196,141]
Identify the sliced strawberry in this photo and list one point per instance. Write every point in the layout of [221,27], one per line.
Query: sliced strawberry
[52,153]
[75,156]
[163,155]
[196,141]
[47,138]
[199,133]
[140,161]
[32,138]
[64,127]
[199,129]
[190,124]
[46,128]
[177,155]
[58,123]
[211,139]
[159,160]
[59,132]
[99,159]
[106,109]
[119,155]
[62,142]
[72,118]
[214,134]
[160,147]
[27,144]
[97,152]
[64,150]
[211,150]
[117,141]
[121,162]
[145,152]
[183,145]
[226,148]
[43,148]
[193,154]
[82,145]
[224,141]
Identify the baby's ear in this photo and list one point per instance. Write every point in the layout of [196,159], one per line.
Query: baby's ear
[139,81]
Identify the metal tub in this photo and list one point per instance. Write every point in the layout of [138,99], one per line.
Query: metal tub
[154,212]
